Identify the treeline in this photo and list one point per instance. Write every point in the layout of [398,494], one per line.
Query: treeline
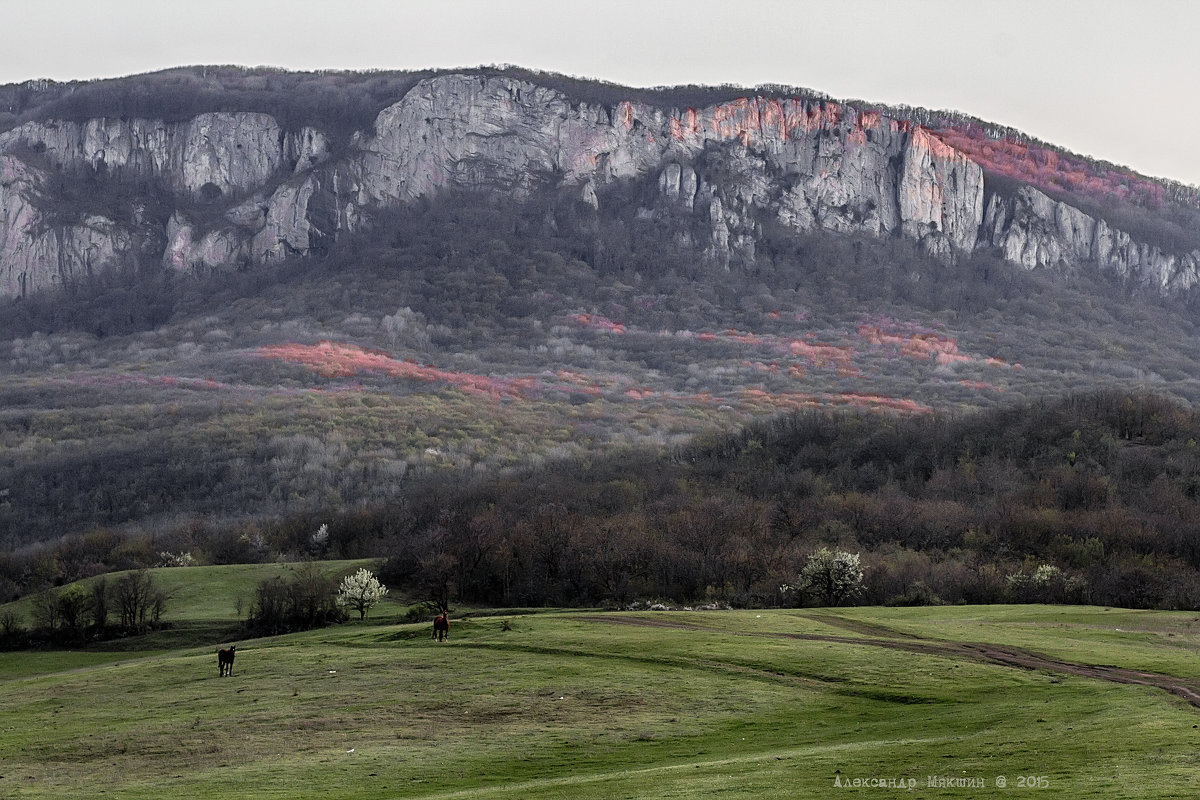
[306,599]
[112,302]
[338,103]
[604,93]
[1093,498]
[100,609]
[1087,499]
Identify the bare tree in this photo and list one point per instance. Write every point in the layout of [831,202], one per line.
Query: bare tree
[10,624]
[45,610]
[137,596]
[100,602]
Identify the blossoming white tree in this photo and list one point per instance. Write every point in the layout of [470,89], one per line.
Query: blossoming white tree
[360,591]
[319,541]
[831,577]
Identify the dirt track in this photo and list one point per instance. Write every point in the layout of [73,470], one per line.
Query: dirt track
[880,636]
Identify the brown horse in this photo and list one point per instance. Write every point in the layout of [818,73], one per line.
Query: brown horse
[225,661]
[441,626]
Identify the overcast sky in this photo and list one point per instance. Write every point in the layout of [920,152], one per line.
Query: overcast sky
[1114,79]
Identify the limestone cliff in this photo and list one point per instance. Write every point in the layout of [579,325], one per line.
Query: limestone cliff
[226,152]
[248,191]
[35,254]
[1035,231]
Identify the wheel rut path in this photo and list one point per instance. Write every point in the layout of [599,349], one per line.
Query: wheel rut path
[1001,655]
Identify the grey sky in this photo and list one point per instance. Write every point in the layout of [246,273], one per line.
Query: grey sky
[1107,78]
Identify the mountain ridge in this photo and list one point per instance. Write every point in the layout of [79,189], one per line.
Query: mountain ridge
[241,188]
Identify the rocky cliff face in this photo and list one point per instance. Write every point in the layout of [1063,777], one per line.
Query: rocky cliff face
[247,191]
[1035,231]
[36,252]
[219,152]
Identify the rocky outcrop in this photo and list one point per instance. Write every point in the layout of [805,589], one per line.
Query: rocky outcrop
[257,192]
[223,152]
[35,253]
[803,162]
[18,224]
[1034,231]
[208,158]
[190,249]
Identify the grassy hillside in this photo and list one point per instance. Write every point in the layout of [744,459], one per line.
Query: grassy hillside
[740,704]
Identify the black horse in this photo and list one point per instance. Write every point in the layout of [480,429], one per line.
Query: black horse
[225,660]
[441,626]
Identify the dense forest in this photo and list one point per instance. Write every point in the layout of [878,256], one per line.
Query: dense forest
[1093,498]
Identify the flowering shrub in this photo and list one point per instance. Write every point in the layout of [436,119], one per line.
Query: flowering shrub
[166,559]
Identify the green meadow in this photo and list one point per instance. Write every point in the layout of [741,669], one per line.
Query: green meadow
[737,704]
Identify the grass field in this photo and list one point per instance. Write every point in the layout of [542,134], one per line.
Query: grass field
[762,704]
